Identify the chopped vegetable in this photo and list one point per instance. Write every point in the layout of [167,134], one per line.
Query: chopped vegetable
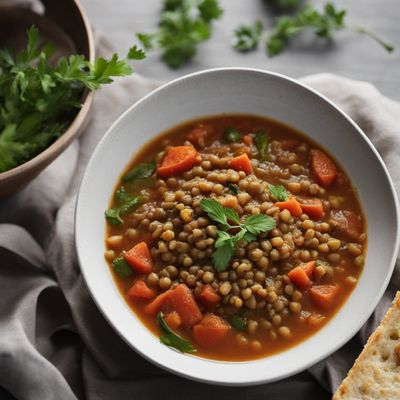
[226,244]
[178,159]
[121,267]
[348,225]
[292,205]
[183,25]
[242,163]
[279,192]
[312,207]
[140,290]
[40,98]
[182,301]
[247,140]
[231,135]
[141,171]
[209,296]
[323,296]
[155,306]
[247,37]
[238,321]
[173,320]
[210,331]
[322,167]
[171,338]
[127,203]
[299,277]
[262,143]
[139,258]
[309,267]
[197,135]
[233,189]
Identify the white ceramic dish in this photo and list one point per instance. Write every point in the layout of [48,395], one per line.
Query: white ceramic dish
[232,90]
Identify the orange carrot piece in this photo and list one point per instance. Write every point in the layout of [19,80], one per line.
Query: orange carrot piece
[308,268]
[178,159]
[312,207]
[140,290]
[242,163]
[182,301]
[139,258]
[247,140]
[155,306]
[299,277]
[323,296]
[209,296]
[322,167]
[173,320]
[211,331]
[197,135]
[292,205]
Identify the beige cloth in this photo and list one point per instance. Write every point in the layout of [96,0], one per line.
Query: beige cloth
[55,344]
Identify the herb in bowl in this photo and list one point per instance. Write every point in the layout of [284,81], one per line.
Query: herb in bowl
[38,100]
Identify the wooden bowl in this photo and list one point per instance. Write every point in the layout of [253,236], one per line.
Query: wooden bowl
[65,24]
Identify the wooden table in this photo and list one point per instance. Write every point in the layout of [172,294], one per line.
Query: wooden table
[351,55]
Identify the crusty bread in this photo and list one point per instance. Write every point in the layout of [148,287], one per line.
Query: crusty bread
[376,372]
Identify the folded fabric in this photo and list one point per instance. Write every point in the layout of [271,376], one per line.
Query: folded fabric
[55,344]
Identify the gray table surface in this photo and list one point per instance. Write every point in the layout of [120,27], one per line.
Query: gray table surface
[351,55]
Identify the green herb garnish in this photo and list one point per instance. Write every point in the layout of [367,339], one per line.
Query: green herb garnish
[323,24]
[233,189]
[127,203]
[171,338]
[141,171]
[39,99]
[228,219]
[231,135]
[262,143]
[247,37]
[279,192]
[183,25]
[121,267]
[238,321]
[284,5]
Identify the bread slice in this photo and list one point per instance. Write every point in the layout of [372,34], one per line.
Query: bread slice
[376,372]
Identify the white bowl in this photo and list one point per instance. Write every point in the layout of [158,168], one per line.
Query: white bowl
[233,90]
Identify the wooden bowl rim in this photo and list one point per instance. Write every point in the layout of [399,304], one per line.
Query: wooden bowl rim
[56,148]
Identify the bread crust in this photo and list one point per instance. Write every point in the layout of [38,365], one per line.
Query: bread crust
[376,372]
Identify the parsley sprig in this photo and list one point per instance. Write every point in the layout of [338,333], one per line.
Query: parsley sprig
[279,192]
[39,99]
[229,220]
[323,24]
[183,25]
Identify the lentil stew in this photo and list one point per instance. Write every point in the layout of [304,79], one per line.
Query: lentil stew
[234,237]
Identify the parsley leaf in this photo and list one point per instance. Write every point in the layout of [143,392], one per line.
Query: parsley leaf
[171,338]
[233,189]
[279,192]
[225,246]
[121,267]
[140,171]
[135,53]
[247,37]
[238,321]
[127,203]
[231,135]
[262,143]
[183,25]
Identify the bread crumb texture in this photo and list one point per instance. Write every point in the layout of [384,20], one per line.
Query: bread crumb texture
[376,372]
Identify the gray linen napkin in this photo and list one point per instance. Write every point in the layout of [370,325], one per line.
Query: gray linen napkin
[55,344]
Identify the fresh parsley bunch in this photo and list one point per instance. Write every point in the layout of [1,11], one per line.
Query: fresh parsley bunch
[183,25]
[39,100]
[323,23]
[228,220]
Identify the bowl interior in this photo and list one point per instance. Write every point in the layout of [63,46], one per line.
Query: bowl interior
[253,92]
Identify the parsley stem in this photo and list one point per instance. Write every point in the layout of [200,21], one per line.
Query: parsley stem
[359,29]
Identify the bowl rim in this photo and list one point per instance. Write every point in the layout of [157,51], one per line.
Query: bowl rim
[346,337]
[51,152]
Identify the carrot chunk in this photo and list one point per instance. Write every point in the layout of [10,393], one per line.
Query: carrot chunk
[197,135]
[178,159]
[348,225]
[242,163]
[299,277]
[155,306]
[292,205]
[312,207]
[210,331]
[322,167]
[247,140]
[182,301]
[209,296]
[140,290]
[308,268]
[139,258]
[173,320]
[323,296]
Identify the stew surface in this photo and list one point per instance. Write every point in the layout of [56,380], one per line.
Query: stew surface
[234,237]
